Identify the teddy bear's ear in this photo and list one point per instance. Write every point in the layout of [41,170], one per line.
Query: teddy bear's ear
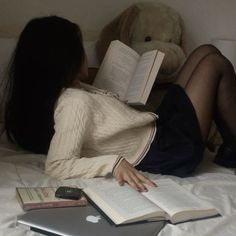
[120,28]
[126,23]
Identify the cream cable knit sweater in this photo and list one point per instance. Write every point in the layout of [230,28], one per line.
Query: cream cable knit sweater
[93,132]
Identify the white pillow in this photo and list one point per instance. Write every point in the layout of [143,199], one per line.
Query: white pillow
[7,46]
[90,50]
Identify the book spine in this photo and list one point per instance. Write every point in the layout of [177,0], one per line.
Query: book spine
[30,206]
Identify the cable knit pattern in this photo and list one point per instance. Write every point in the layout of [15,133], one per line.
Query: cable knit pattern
[94,131]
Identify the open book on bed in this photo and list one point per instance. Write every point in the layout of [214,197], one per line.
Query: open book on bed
[167,201]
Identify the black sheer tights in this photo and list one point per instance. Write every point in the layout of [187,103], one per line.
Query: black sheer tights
[209,80]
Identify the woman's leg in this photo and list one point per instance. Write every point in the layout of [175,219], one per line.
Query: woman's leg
[211,87]
[193,60]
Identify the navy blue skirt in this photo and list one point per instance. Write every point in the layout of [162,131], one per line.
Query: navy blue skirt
[177,147]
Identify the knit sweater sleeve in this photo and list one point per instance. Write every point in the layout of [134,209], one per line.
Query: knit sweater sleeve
[64,160]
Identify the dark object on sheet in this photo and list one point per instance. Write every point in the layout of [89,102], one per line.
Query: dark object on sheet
[66,192]
[226,156]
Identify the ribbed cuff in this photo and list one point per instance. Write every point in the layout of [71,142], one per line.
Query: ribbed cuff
[119,159]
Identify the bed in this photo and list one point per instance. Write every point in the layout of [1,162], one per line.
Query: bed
[18,167]
[212,183]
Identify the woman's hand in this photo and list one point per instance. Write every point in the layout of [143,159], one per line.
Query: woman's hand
[125,172]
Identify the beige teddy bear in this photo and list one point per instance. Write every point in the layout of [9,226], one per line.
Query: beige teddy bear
[146,26]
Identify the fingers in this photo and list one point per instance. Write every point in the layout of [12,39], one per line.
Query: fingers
[120,182]
[136,180]
[147,181]
[125,172]
[129,180]
[136,183]
[139,184]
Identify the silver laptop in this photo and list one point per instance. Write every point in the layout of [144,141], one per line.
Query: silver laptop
[83,221]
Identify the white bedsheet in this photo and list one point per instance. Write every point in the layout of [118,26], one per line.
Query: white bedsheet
[211,183]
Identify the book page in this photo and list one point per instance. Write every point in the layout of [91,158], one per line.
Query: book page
[175,199]
[140,77]
[152,76]
[122,203]
[117,69]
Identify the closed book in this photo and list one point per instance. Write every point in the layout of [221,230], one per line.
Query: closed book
[44,197]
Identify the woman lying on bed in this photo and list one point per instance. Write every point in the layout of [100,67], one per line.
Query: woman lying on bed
[88,132]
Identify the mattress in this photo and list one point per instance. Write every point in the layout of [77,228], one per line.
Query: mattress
[212,183]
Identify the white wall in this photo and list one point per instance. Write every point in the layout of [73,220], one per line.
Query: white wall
[204,19]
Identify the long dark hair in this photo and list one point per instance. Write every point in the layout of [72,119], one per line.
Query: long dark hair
[48,56]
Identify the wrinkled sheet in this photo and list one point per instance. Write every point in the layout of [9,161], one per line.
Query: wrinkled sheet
[212,183]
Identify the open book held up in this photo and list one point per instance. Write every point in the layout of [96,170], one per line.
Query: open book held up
[126,73]
[167,201]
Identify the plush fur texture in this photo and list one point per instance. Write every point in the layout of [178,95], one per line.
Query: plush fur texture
[146,26]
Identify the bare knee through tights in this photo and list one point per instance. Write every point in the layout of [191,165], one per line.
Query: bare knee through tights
[193,60]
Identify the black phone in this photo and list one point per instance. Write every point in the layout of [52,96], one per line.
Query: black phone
[66,192]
